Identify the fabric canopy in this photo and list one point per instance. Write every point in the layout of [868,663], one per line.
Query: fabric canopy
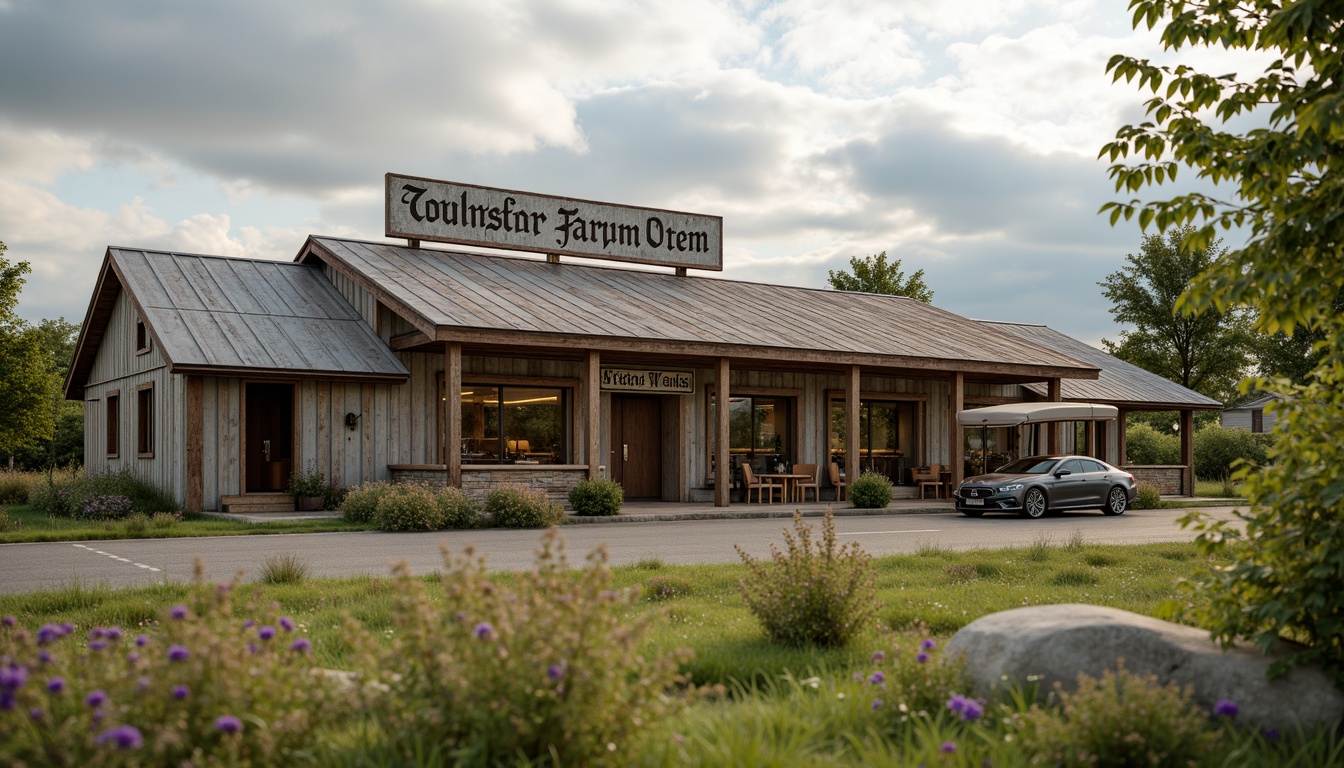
[1012,414]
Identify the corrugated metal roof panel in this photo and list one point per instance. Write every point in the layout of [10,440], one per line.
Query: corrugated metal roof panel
[475,291]
[217,312]
[1119,382]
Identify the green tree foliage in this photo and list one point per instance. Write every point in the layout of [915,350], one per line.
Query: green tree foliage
[65,447]
[875,275]
[1206,352]
[1278,355]
[25,376]
[1275,141]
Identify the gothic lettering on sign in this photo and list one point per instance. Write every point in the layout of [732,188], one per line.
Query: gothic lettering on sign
[653,382]
[424,209]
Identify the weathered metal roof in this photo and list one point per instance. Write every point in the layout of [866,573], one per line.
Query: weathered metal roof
[1120,383]
[212,314]
[534,301]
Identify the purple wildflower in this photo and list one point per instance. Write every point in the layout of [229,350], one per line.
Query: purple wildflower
[114,633]
[97,645]
[973,711]
[301,645]
[948,747]
[921,657]
[141,640]
[8,621]
[66,628]
[484,631]
[927,645]
[228,724]
[249,624]
[95,699]
[181,692]
[48,633]
[876,678]
[1225,708]
[36,713]
[266,632]
[96,633]
[44,657]
[877,703]
[858,677]
[1270,733]
[121,737]
[13,677]
[555,672]
[252,647]
[178,612]
[178,653]
[142,684]
[286,623]
[878,656]
[132,657]
[56,685]
[957,703]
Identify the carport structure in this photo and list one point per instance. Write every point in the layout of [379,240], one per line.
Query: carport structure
[1020,414]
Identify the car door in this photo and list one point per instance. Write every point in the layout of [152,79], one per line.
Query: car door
[1099,481]
[1068,490]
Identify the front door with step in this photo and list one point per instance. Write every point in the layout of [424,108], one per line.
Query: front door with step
[636,445]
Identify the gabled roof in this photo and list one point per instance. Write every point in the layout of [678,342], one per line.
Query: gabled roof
[1257,402]
[222,316]
[528,302]
[1120,383]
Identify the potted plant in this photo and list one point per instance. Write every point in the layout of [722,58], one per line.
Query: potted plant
[310,489]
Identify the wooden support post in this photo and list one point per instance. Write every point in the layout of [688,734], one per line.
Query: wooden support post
[452,385]
[956,446]
[723,471]
[1091,448]
[593,413]
[853,402]
[1188,452]
[195,444]
[1055,429]
[1121,428]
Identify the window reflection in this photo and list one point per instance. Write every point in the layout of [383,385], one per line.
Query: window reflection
[513,425]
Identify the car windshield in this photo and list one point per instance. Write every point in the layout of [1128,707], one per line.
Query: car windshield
[1027,466]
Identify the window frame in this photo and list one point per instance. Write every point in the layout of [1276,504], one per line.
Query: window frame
[112,424]
[143,341]
[795,445]
[144,421]
[567,388]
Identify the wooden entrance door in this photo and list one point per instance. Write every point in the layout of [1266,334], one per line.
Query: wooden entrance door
[636,445]
[269,450]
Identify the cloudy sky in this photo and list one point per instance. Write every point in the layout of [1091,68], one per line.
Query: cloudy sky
[959,136]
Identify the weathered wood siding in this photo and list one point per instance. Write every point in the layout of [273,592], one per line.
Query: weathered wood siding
[360,299]
[118,366]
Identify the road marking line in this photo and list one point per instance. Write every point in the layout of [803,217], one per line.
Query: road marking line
[118,558]
[869,533]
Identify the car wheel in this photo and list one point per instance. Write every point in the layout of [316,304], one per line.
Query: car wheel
[972,512]
[1034,504]
[1116,502]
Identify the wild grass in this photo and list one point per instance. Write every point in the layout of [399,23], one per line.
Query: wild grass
[37,526]
[287,568]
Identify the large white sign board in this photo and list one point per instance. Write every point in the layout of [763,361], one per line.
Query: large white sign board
[448,212]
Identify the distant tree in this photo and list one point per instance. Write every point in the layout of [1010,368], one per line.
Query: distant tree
[874,275]
[25,375]
[65,447]
[1208,352]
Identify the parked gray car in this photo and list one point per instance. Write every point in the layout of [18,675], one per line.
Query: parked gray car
[1039,484]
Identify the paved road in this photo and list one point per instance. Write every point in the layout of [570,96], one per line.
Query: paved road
[30,567]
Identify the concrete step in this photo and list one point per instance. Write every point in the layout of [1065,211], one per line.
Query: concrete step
[252,503]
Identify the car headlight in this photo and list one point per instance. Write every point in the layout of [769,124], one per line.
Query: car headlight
[1007,488]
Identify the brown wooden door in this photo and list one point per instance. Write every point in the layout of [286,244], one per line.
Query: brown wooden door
[270,437]
[636,445]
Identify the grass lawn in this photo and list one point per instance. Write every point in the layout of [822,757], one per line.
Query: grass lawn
[785,706]
[36,526]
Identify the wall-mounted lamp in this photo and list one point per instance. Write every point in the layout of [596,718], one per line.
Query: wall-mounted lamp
[352,420]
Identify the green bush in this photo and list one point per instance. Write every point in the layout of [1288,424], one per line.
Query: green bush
[550,671]
[1149,497]
[1118,721]
[517,506]
[15,486]
[1217,449]
[109,696]
[456,511]
[870,491]
[597,497]
[69,495]
[408,507]
[309,482]
[362,501]
[1145,445]
[811,593]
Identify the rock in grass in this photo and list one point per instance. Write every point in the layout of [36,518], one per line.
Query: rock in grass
[1059,642]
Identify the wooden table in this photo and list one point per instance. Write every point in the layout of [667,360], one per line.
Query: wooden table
[789,480]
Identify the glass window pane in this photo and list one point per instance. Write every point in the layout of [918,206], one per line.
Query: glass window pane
[739,424]
[480,425]
[534,424]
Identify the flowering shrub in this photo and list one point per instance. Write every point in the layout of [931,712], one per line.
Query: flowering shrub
[98,506]
[597,497]
[820,594]
[69,495]
[915,682]
[455,509]
[666,588]
[361,502]
[548,670]
[200,689]
[1120,720]
[870,491]
[408,508]
[516,506]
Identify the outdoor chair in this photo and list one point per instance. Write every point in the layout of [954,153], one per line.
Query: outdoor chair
[929,476]
[813,471]
[837,480]
[750,481]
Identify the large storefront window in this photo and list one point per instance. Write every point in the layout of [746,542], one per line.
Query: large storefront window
[760,429]
[514,425]
[987,449]
[886,437]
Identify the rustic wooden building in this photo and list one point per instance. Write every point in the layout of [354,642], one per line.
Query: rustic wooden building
[219,377]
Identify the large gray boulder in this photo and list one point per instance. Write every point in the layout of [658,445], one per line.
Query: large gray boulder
[1058,642]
